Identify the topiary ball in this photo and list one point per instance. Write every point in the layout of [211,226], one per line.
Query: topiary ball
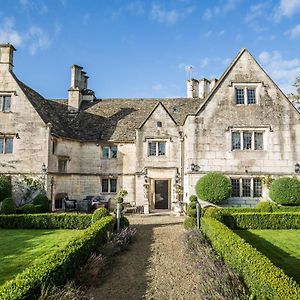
[285,191]
[43,202]
[213,187]
[99,213]
[8,206]
[265,206]
[28,209]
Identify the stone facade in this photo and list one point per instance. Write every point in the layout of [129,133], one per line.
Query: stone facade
[163,145]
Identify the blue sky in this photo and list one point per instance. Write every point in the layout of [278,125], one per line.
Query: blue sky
[138,48]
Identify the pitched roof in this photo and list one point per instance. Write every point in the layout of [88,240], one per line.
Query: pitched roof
[105,119]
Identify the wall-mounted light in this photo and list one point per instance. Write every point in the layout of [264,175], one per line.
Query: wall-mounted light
[195,167]
[297,168]
[146,178]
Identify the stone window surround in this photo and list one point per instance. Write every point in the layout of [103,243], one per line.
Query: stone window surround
[110,152]
[62,163]
[109,178]
[157,141]
[5,137]
[245,86]
[2,101]
[241,186]
[260,129]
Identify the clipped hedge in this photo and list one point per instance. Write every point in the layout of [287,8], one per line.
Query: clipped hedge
[43,202]
[46,221]
[8,206]
[264,279]
[56,267]
[278,220]
[5,187]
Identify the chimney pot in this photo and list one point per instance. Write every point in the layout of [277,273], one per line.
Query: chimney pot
[6,56]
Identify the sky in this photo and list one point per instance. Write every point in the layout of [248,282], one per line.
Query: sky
[142,49]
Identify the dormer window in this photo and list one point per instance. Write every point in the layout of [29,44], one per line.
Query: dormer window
[5,103]
[245,95]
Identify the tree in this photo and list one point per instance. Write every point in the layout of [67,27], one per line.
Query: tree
[295,97]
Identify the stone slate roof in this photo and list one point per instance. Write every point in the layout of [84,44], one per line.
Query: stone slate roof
[105,119]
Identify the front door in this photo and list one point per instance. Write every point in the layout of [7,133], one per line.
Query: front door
[161,194]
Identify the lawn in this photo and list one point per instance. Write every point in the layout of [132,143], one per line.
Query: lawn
[19,248]
[282,247]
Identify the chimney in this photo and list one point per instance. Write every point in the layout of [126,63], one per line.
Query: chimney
[213,82]
[75,96]
[204,87]
[192,88]
[6,57]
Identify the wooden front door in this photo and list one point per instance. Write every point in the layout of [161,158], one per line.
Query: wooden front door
[161,194]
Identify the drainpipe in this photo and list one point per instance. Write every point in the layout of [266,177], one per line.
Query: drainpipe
[182,160]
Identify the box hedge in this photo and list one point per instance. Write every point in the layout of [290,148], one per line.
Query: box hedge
[46,221]
[56,267]
[265,280]
[277,220]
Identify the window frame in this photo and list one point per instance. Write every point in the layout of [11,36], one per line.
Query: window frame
[3,103]
[246,87]
[109,185]
[157,148]
[110,152]
[242,132]
[61,160]
[5,139]
[255,188]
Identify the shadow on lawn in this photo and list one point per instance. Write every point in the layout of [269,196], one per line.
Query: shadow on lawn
[127,277]
[289,264]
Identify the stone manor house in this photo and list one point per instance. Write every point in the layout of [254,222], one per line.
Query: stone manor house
[241,125]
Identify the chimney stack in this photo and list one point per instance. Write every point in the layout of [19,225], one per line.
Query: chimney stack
[6,57]
[192,88]
[75,96]
[204,88]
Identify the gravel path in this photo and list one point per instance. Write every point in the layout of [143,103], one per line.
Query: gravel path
[154,267]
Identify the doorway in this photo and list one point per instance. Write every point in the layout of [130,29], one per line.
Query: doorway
[161,194]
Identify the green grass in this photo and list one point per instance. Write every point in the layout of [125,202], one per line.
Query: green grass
[282,247]
[19,248]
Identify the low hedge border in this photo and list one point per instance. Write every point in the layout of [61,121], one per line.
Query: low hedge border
[265,280]
[56,267]
[277,220]
[46,221]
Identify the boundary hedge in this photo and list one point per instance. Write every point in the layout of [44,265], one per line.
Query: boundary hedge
[56,267]
[264,279]
[277,220]
[46,221]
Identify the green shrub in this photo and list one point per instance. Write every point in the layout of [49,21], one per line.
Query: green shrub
[8,206]
[43,201]
[279,208]
[56,267]
[5,187]
[285,191]
[190,223]
[100,213]
[213,187]
[193,198]
[265,206]
[264,280]
[123,223]
[278,220]
[46,221]
[28,208]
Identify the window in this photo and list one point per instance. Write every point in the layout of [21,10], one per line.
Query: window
[239,96]
[245,95]
[257,187]
[109,185]
[5,103]
[62,165]
[109,152]
[247,140]
[158,124]
[156,148]
[6,145]
[54,146]
[246,191]
[246,187]
[251,96]
[235,183]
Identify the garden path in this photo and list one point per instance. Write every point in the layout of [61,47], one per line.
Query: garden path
[154,266]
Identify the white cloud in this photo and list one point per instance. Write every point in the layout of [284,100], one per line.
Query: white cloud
[38,39]
[223,9]
[171,16]
[135,8]
[294,32]
[8,33]
[286,8]
[284,72]
[37,5]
